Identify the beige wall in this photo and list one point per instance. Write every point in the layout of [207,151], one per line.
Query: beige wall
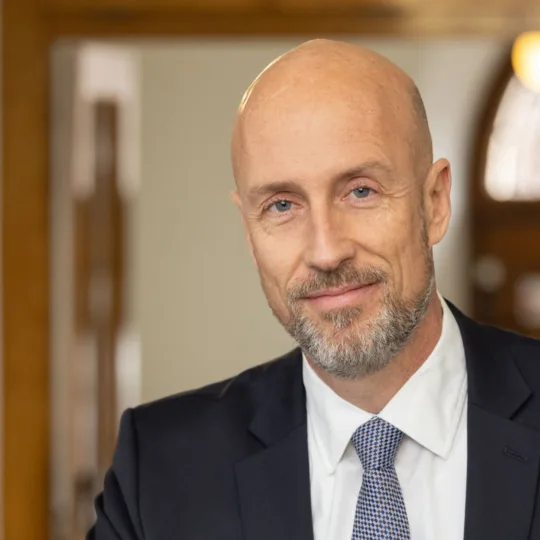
[198,303]
[200,310]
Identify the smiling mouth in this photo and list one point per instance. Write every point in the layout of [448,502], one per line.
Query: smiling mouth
[341,297]
[336,291]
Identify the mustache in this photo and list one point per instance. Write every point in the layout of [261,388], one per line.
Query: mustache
[341,277]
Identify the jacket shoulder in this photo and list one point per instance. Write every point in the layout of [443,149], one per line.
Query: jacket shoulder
[523,349]
[227,402]
[525,352]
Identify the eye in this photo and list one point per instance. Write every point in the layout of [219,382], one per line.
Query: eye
[361,192]
[280,206]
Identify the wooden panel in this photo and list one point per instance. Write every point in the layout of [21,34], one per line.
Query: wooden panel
[323,17]
[106,260]
[113,22]
[354,7]
[222,6]
[479,12]
[513,247]
[25,276]
[509,9]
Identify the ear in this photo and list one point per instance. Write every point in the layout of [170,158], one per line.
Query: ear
[437,203]
[237,201]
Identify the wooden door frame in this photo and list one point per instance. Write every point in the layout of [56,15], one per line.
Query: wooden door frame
[482,215]
[30,27]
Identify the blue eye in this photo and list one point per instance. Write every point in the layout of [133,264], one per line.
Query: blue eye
[282,206]
[361,192]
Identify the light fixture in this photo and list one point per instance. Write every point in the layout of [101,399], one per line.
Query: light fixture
[526,59]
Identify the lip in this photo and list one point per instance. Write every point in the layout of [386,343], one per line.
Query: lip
[342,297]
[336,292]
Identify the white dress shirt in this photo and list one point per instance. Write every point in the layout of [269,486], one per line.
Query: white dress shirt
[431,464]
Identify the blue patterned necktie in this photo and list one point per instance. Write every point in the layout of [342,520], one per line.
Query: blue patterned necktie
[380,510]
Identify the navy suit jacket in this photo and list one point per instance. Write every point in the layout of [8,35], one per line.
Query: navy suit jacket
[230,461]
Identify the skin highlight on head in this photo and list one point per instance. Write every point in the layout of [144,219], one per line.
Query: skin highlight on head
[342,205]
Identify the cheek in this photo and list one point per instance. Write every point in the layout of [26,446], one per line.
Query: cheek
[277,259]
[393,236]
[410,254]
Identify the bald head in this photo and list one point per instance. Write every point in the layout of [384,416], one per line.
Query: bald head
[323,74]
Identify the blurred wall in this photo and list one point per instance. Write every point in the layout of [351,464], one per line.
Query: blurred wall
[198,303]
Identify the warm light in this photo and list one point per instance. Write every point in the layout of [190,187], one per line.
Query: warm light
[526,59]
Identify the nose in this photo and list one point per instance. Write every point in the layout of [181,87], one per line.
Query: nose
[329,244]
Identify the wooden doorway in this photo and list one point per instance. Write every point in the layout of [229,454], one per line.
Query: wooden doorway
[506,208]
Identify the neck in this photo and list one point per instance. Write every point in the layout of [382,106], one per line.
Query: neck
[372,392]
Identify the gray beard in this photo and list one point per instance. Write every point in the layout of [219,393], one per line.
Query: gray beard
[360,351]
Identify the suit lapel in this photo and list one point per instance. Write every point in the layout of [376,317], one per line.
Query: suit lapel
[273,484]
[503,455]
[275,492]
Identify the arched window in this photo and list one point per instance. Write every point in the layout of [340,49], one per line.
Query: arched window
[505,208]
[512,169]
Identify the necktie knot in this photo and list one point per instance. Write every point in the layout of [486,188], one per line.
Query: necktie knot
[376,442]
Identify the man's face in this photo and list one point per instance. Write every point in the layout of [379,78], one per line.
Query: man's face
[333,208]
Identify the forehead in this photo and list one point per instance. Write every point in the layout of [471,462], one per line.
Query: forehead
[319,136]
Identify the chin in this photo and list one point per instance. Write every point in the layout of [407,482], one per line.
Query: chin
[351,316]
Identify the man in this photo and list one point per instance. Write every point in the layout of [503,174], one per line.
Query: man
[398,417]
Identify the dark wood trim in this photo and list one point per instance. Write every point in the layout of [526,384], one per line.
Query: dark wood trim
[482,212]
[116,21]
[25,273]
[103,23]
[497,213]
[106,256]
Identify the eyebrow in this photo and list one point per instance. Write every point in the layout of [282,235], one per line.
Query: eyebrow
[256,193]
[365,169]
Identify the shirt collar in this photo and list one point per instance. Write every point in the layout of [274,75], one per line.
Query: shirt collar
[427,408]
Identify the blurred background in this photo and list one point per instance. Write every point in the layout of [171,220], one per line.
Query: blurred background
[149,287]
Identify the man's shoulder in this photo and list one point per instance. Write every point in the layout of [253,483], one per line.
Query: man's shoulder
[523,350]
[519,345]
[227,402]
